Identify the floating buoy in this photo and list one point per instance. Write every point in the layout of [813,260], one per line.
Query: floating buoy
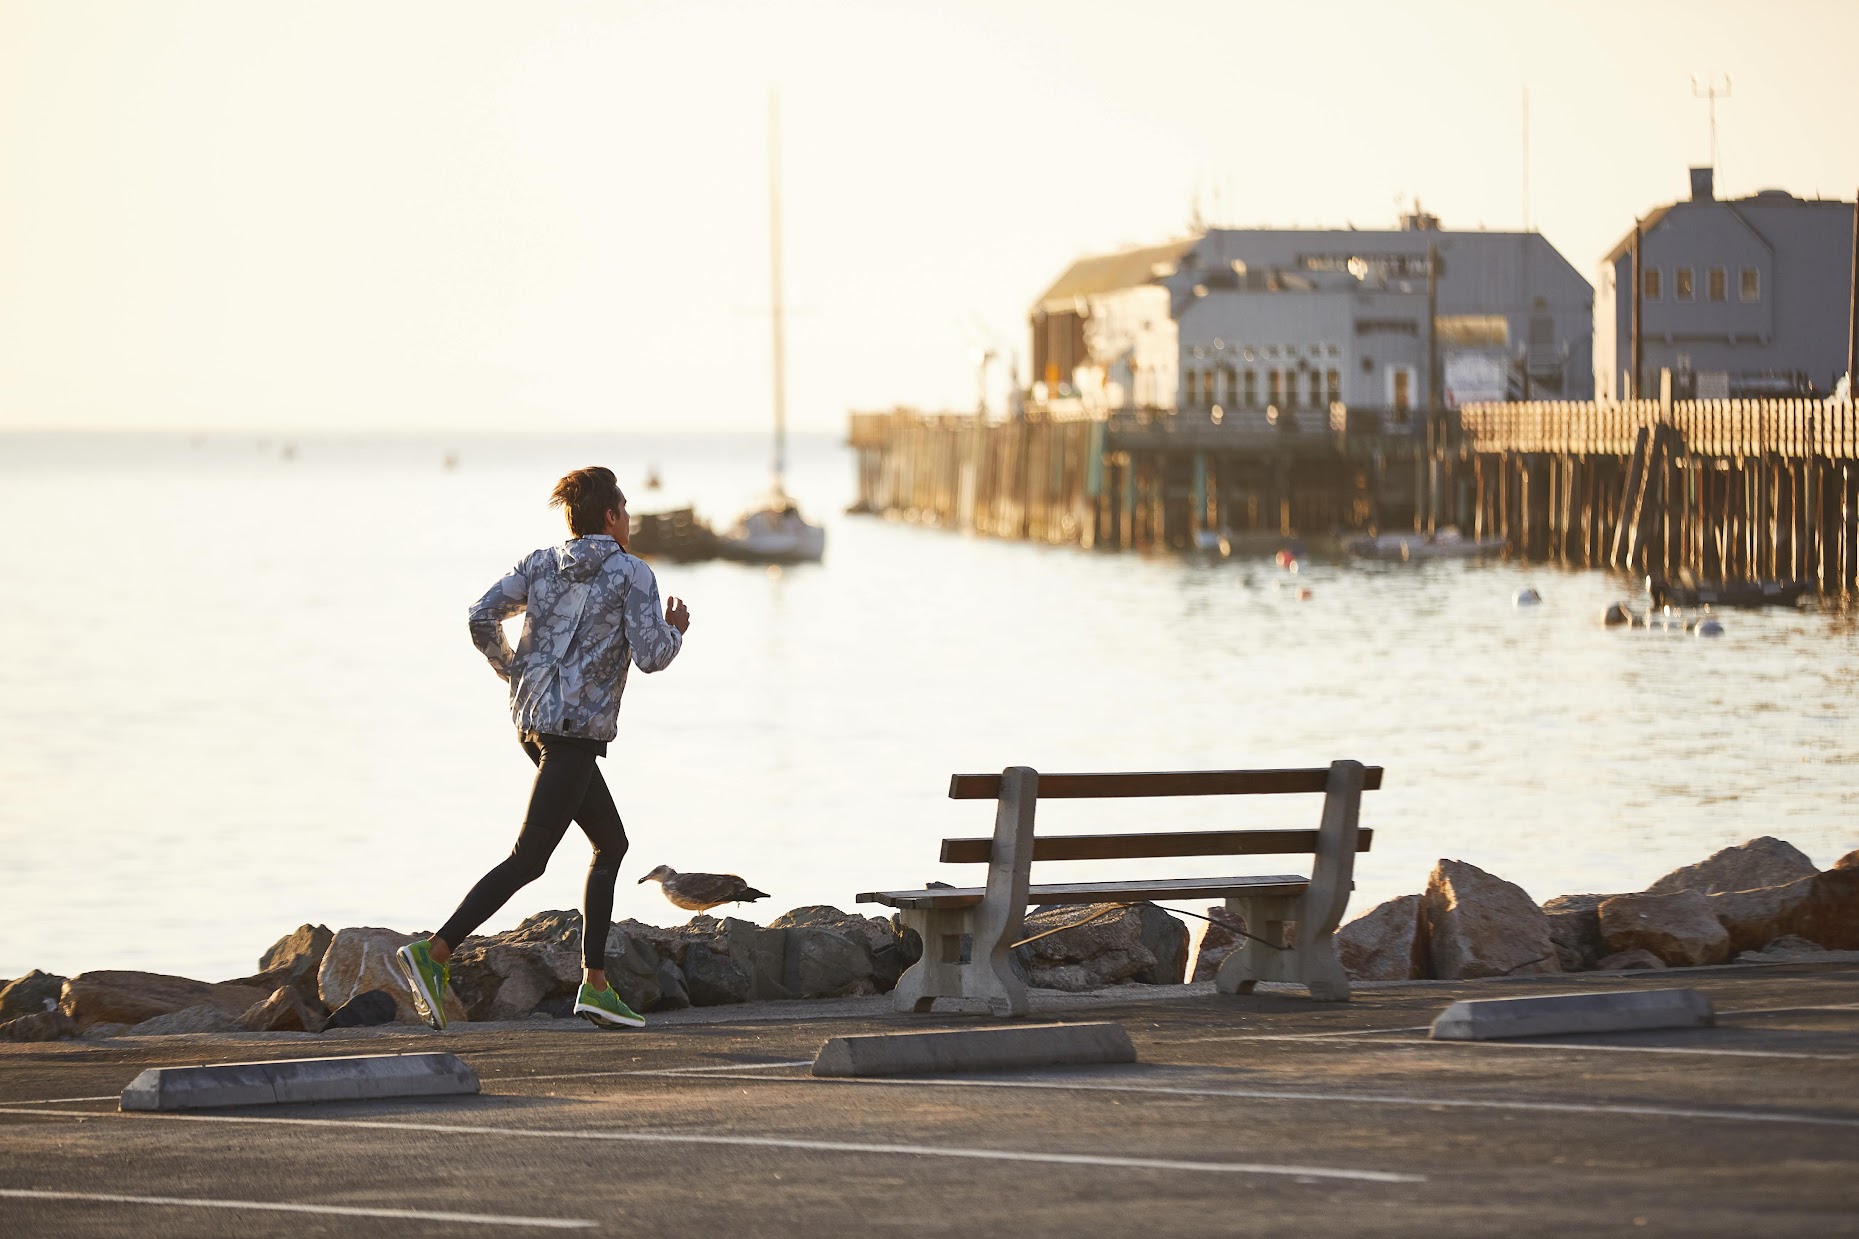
[1617,614]
[1527,597]
[1708,627]
[1286,560]
[1303,595]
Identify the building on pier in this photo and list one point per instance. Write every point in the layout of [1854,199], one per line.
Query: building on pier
[1275,326]
[1739,298]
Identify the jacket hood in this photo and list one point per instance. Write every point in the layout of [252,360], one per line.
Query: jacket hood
[581,558]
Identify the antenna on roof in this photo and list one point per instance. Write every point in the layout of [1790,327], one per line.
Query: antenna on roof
[1712,92]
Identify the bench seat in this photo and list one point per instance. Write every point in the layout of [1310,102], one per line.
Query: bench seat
[1269,886]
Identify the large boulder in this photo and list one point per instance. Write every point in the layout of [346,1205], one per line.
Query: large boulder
[713,979]
[1083,956]
[761,955]
[634,970]
[375,1006]
[1575,929]
[884,946]
[1760,862]
[33,994]
[1830,915]
[1479,925]
[1166,937]
[204,1018]
[50,1025]
[1755,918]
[1678,928]
[292,961]
[362,959]
[1222,935]
[1385,943]
[823,964]
[123,997]
[508,975]
[1638,959]
[285,1011]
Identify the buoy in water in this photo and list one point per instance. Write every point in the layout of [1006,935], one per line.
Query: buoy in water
[1286,560]
[1617,615]
[1527,597]
[1303,595]
[1708,627]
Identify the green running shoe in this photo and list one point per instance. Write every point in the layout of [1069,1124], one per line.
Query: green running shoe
[603,1008]
[427,978]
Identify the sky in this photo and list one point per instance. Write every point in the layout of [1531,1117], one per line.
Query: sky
[470,216]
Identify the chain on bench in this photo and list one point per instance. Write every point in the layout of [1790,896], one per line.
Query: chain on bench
[1107,909]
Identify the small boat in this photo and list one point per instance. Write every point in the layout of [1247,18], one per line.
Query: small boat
[1687,592]
[775,533]
[1444,543]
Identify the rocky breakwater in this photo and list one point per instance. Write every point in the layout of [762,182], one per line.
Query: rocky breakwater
[1759,901]
[315,978]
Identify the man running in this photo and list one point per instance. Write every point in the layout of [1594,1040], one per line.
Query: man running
[589,611]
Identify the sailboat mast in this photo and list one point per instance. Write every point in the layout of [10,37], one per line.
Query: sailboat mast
[774,287]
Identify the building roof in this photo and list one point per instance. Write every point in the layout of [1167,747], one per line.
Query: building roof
[1105,273]
[1762,198]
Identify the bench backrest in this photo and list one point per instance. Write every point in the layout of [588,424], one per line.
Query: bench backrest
[1018,789]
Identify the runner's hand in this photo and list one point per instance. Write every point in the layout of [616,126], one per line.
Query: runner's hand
[676,615]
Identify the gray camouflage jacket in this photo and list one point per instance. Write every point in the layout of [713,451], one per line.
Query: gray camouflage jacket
[589,611]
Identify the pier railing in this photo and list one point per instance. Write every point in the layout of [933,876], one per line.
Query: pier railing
[1722,429]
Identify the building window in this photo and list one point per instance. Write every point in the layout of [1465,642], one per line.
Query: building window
[1681,284]
[1334,380]
[1717,284]
[1291,377]
[1250,395]
[1751,285]
[1403,391]
[1275,390]
[1473,330]
[1649,280]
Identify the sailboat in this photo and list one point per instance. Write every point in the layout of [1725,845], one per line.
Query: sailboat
[775,532]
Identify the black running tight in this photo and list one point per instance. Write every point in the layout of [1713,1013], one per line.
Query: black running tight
[568,787]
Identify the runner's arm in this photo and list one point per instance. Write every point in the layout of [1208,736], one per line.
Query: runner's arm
[654,642]
[506,598]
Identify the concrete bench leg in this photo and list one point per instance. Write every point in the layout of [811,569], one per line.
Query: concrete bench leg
[1253,961]
[938,974]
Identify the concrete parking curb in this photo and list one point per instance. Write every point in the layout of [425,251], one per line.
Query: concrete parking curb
[1549,1015]
[975,1049]
[299,1079]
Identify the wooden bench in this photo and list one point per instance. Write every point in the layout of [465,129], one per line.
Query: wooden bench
[992,914]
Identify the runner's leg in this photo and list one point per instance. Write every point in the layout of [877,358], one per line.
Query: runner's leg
[599,819]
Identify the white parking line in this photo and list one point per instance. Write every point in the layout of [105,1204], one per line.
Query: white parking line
[1377,1099]
[773,1142]
[1844,1006]
[1317,1036]
[1585,1046]
[272,1206]
[61,1101]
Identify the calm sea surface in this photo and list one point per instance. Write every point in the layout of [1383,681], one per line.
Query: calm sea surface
[240,696]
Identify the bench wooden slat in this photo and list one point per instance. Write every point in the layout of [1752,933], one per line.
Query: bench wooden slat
[1177,843]
[1100,892]
[1161,783]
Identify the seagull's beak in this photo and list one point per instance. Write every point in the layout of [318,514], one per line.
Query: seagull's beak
[644,880]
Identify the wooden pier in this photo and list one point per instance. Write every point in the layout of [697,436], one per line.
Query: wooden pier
[1713,491]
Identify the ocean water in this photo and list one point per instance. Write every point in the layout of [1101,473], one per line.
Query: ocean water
[240,696]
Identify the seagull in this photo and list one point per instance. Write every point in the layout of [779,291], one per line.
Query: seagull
[700,892]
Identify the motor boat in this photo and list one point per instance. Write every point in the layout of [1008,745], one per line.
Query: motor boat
[1444,543]
[775,533]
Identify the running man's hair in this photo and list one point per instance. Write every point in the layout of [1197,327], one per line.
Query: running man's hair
[585,497]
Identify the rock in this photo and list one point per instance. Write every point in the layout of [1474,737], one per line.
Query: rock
[1679,928]
[1748,866]
[1107,951]
[1479,925]
[509,975]
[1848,861]
[33,994]
[1385,943]
[305,942]
[712,978]
[883,941]
[375,1006]
[285,1011]
[204,1018]
[1796,944]
[761,954]
[672,996]
[1167,938]
[105,1030]
[39,1026]
[1830,913]
[1575,928]
[1220,938]
[359,960]
[821,963]
[1629,961]
[1755,918]
[633,971]
[123,997]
